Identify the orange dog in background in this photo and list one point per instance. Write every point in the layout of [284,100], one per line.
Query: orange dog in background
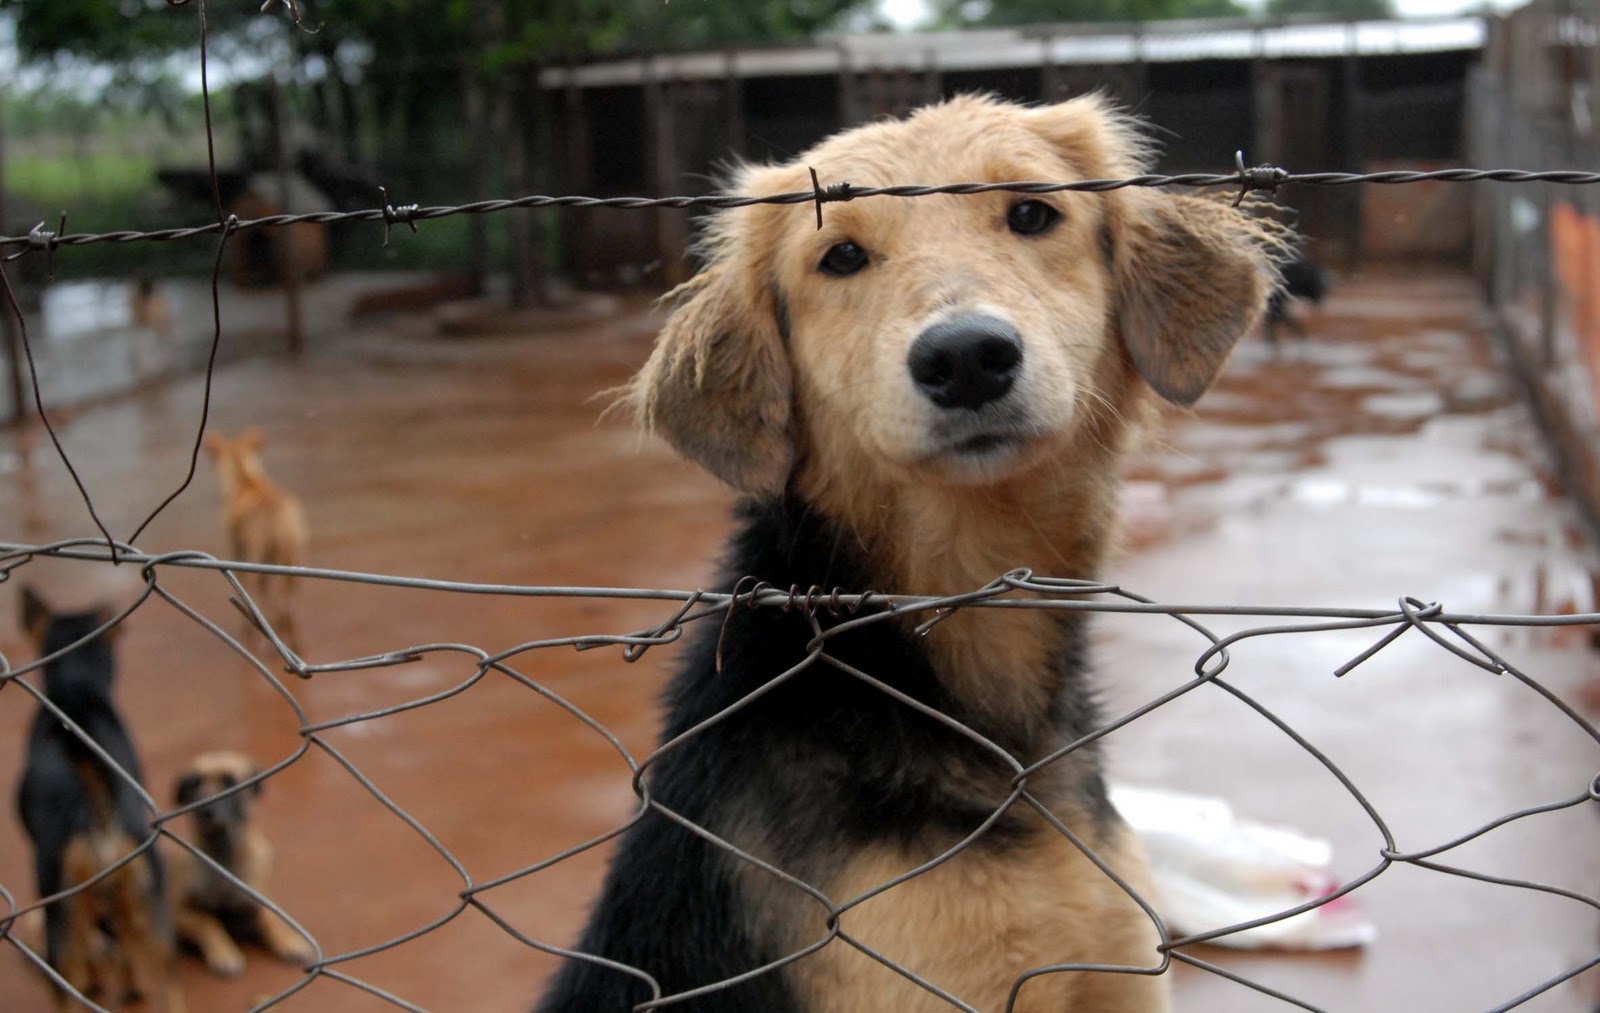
[265,522]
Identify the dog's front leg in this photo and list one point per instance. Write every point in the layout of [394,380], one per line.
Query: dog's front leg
[217,948]
[285,943]
[71,953]
[148,953]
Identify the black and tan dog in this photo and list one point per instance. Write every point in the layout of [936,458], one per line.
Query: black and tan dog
[918,397]
[213,914]
[83,818]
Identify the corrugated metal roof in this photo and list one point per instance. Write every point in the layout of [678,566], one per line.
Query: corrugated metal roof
[1064,45]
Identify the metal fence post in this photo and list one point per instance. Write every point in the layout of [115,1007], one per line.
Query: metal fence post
[294,318]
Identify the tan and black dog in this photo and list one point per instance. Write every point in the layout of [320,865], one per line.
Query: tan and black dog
[112,938]
[212,913]
[921,395]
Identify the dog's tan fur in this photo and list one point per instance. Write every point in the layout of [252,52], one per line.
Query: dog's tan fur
[827,411]
[776,376]
[264,521]
[138,962]
[971,925]
[198,891]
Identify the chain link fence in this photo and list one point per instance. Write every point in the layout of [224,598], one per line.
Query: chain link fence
[829,612]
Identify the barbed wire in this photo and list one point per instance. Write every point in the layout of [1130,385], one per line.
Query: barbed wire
[830,613]
[42,241]
[1261,178]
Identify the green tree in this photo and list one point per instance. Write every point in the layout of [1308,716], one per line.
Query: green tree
[435,92]
[386,74]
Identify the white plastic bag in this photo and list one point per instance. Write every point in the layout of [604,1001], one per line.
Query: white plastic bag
[1213,869]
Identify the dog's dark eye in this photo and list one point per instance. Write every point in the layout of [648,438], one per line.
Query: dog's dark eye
[1031,217]
[842,259]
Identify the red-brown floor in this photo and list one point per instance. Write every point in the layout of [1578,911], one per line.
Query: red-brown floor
[1384,457]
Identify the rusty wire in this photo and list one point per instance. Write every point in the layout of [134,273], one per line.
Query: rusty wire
[41,241]
[1261,178]
[830,612]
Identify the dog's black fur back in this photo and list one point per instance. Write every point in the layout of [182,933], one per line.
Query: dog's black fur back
[52,799]
[816,768]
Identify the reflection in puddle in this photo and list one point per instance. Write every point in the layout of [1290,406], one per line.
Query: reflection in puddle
[1331,492]
[1404,405]
[74,309]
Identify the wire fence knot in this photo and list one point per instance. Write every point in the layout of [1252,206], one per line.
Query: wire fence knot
[824,194]
[41,238]
[405,213]
[1265,178]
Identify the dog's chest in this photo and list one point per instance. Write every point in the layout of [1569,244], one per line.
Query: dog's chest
[972,925]
[210,891]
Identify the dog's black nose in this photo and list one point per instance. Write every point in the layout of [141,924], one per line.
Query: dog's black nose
[966,362]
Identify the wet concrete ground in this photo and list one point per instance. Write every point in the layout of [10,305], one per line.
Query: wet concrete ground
[88,347]
[1385,457]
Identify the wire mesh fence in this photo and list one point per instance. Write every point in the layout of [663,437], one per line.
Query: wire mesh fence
[829,613]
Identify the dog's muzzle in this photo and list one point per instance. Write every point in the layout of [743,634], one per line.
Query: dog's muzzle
[966,362]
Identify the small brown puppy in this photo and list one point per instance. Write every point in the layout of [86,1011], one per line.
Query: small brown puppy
[265,522]
[212,914]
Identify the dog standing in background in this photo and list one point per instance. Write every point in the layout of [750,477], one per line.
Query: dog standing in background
[921,395]
[212,914]
[83,818]
[264,521]
[148,307]
[1300,278]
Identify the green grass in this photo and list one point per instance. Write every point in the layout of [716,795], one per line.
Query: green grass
[119,191]
[57,181]
[101,192]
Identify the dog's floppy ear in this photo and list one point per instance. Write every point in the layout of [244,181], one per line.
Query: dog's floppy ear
[1094,136]
[252,438]
[188,788]
[36,615]
[717,385]
[1191,275]
[213,442]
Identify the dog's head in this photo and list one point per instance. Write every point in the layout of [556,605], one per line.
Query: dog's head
[211,774]
[961,338]
[81,677]
[236,457]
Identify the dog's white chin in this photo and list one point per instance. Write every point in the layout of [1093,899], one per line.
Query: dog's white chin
[982,459]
